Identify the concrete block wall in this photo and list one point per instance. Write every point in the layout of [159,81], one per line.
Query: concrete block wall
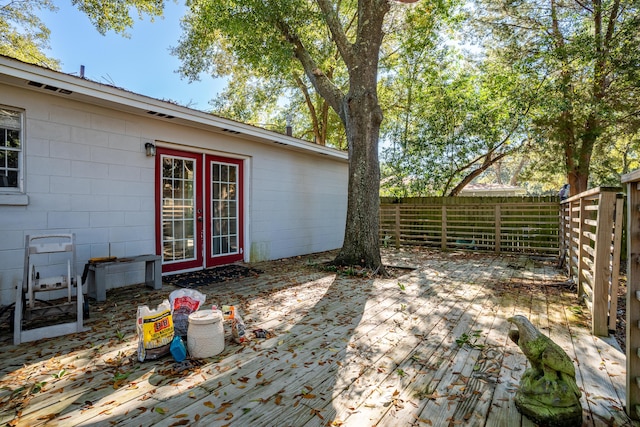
[86,172]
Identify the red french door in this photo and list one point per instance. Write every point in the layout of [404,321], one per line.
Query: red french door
[224,212]
[199,210]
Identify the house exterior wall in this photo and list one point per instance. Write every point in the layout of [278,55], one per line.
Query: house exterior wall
[86,172]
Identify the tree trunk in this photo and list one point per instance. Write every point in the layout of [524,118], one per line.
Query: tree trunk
[361,244]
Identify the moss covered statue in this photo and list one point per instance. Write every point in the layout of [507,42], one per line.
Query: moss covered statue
[548,393]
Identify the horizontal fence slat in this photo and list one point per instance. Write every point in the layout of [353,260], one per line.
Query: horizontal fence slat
[523,224]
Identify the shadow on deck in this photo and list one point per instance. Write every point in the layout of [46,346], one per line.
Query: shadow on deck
[428,348]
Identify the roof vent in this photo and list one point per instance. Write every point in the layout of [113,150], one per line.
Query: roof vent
[235,132]
[49,87]
[155,113]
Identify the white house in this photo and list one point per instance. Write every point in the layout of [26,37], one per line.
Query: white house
[73,158]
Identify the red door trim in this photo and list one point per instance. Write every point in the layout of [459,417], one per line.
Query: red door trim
[212,261]
[197,157]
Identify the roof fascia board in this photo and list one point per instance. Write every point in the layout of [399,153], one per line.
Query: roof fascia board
[122,97]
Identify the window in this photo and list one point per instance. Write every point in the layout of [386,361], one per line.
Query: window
[12,190]
[10,149]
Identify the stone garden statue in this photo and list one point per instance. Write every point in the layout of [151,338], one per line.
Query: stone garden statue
[548,392]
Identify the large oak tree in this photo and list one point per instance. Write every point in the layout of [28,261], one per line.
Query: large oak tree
[268,35]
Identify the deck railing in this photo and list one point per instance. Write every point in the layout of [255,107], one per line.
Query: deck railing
[500,224]
[632,342]
[591,238]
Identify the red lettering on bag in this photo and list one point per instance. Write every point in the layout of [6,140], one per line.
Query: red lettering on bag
[161,324]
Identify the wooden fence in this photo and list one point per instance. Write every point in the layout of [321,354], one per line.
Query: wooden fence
[591,239]
[500,224]
[632,342]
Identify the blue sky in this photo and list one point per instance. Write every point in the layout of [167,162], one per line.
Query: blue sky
[140,64]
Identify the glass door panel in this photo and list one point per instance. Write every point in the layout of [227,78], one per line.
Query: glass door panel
[180,209]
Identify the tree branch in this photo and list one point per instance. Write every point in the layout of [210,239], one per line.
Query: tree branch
[488,162]
[323,85]
[337,32]
[310,106]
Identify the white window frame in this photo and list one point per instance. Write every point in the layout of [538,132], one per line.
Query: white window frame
[16,195]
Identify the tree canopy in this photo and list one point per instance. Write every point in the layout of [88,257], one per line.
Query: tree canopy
[23,35]
[557,77]
[586,57]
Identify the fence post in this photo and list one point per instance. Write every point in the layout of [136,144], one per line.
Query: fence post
[564,241]
[602,256]
[443,237]
[397,230]
[633,293]
[574,239]
[615,262]
[498,222]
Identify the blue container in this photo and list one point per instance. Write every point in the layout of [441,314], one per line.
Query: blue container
[178,349]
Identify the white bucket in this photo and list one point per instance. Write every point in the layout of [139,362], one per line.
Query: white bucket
[205,336]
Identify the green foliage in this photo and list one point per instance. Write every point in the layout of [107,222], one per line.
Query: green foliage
[59,374]
[470,339]
[462,118]
[115,15]
[247,42]
[37,387]
[582,58]
[23,35]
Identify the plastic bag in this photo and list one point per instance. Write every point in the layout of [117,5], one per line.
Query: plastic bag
[238,329]
[183,303]
[228,312]
[155,331]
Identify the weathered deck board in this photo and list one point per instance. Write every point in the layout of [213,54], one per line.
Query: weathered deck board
[347,351]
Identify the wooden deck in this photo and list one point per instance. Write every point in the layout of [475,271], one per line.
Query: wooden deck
[428,348]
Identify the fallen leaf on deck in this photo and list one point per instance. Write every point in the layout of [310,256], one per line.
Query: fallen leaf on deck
[48,417]
[423,420]
[223,407]
[317,413]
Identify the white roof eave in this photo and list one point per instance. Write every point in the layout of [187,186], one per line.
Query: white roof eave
[20,74]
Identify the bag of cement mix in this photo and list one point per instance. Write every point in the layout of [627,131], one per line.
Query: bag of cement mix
[183,303]
[155,331]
